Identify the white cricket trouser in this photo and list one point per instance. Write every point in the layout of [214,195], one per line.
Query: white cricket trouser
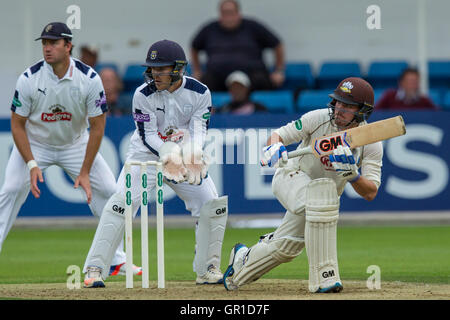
[16,186]
[194,196]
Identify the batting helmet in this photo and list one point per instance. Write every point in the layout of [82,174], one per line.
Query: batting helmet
[354,91]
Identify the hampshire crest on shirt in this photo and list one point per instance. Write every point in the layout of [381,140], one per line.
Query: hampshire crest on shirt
[75,93]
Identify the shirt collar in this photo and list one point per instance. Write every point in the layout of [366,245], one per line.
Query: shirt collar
[68,75]
[183,82]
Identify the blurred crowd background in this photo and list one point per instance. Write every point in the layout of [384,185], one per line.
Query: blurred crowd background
[255,55]
[266,63]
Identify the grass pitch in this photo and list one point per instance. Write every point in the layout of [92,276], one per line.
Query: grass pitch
[406,254]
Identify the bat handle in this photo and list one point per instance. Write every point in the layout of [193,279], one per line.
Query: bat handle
[299,152]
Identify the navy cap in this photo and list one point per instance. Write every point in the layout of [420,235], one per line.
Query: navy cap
[56,30]
[164,53]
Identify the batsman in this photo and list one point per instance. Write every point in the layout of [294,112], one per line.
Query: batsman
[309,188]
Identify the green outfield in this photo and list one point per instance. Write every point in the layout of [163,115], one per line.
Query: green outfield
[407,254]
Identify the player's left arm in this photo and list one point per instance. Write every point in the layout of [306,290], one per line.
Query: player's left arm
[96,109]
[370,178]
[194,158]
[365,188]
[97,129]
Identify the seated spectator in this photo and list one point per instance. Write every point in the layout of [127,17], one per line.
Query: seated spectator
[236,43]
[239,84]
[113,87]
[407,96]
[89,55]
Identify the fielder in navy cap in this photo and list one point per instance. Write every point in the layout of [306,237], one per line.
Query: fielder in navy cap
[56,30]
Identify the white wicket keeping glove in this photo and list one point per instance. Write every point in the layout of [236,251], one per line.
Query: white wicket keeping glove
[195,161]
[274,155]
[173,167]
[344,162]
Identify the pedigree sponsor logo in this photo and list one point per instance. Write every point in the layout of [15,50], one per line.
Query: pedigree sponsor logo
[57,114]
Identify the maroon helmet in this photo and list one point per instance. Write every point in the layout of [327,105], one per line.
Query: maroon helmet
[354,91]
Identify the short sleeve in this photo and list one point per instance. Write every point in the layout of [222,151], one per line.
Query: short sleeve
[146,123]
[21,102]
[199,123]
[372,161]
[96,98]
[300,129]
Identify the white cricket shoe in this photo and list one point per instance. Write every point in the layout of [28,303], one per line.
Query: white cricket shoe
[93,278]
[212,276]
[120,270]
[236,263]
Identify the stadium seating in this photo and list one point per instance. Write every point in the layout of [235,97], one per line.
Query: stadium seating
[125,101]
[378,93]
[298,75]
[301,81]
[312,99]
[385,74]
[331,73]
[112,65]
[133,77]
[445,105]
[439,74]
[435,96]
[219,99]
[280,101]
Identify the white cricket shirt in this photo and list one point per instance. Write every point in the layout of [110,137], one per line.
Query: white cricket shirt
[58,109]
[315,124]
[157,114]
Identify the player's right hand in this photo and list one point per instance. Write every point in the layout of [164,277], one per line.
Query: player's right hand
[173,167]
[274,155]
[35,175]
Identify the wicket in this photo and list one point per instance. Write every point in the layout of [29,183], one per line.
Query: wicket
[144,223]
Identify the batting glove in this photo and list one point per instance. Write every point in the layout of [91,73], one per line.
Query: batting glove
[275,155]
[344,162]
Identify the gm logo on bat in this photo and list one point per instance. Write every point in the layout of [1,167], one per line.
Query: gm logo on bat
[327,144]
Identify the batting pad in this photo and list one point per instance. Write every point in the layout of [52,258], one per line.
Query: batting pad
[108,235]
[266,255]
[322,213]
[209,234]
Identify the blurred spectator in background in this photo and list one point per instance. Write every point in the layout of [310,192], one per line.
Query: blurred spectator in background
[239,84]
[236,43]
[113,87]
[89,55]
[407,96]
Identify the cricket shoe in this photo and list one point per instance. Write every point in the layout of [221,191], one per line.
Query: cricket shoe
[212,276]
[120,270]
[334,288]
[93,278]
[236,262]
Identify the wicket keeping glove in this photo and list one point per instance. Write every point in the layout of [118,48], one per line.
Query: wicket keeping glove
[195,161]
[345,163]
[274,155]
[173,167]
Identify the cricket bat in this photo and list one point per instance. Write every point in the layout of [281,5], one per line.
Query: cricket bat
[354,137]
